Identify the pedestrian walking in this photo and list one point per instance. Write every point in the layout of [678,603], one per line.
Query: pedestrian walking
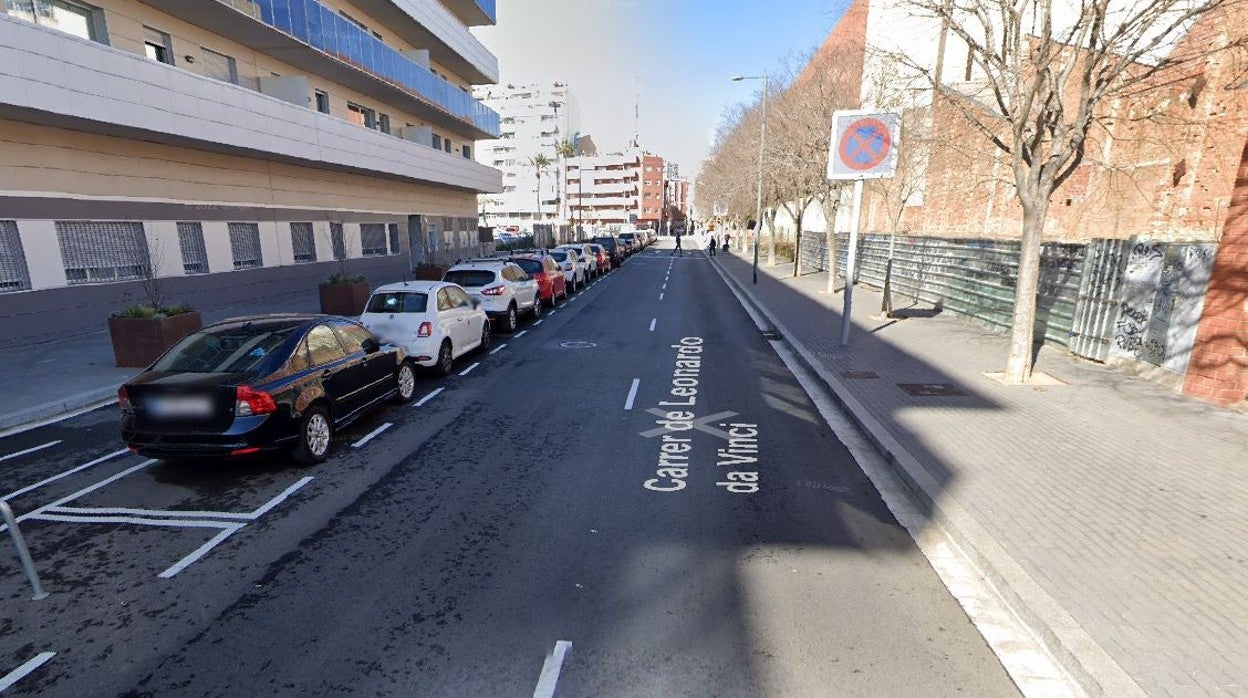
[727,240]
[678,248]
[711,247]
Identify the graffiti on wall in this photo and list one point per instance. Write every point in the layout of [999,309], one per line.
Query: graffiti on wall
[1163,294]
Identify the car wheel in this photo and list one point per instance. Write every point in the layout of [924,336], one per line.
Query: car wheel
[486,337]
[315,434]
[446,359]
[512,321]
[406,379]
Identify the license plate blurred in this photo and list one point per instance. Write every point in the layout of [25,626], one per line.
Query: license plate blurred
[179,407]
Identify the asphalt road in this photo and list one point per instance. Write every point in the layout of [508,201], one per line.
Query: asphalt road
[461,549]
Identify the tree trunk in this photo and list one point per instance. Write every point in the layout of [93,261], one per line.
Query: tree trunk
[1019,364]
[830,208]
[797,241]
[771,237]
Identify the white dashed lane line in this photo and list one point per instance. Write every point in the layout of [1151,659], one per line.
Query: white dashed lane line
[660,296]
[549,677]
[495,351]
[421,402]
[632,394]
[652,323]
[7,681]
[468,370]
[372,435]
[521,333]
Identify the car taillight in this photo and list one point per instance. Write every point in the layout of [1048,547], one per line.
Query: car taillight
[492,291]
[251,402]
[425,330]
[567,266]
[123,398]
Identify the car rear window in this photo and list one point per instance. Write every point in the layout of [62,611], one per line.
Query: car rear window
[398,302]
[470,278]
[530,266]
[605,242]
[559,256]
[231,349]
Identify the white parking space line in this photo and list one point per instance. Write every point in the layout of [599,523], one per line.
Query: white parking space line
[268,506]
[538,323]
[87,490]
[421,402]
[660,296]
[632,394]
[468,370]
[7,681]
[67,473]
[551,313]
[200,551]
[136,520]
[521,333]
[664,287]
[495,351]
[115,512]
[652,323]
[32,449]
[372,434]
[549,677]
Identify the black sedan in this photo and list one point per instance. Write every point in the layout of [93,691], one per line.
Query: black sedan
[261,383]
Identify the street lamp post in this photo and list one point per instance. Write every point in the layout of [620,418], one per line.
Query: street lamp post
[762,142]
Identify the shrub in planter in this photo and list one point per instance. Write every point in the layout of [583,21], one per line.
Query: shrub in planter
[429,272]
[141,333]
[344,295]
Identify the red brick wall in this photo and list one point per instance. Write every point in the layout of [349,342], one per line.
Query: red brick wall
[1219,367]
[652,194]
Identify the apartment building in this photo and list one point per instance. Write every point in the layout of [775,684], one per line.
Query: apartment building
[535,119]
[232,148]
[615,190]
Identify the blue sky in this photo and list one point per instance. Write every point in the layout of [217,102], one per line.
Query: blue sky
[677,54]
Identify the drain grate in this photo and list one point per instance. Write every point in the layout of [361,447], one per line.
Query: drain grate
[859,375]
[931,389]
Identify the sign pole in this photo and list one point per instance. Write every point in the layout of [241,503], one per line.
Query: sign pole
[851,259]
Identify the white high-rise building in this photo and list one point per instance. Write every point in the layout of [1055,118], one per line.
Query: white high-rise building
[536,118]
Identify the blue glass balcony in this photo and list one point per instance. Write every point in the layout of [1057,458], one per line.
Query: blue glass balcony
[323,29]
[487,6]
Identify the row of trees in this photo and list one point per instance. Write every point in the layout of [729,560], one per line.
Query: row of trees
[1040,72]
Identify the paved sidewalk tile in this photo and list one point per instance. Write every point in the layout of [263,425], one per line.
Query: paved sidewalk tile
[1126,503]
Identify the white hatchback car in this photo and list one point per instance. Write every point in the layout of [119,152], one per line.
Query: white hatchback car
[434,321]
[589,258]
[503,288]
[574,269]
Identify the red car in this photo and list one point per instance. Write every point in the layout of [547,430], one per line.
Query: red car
[551,286]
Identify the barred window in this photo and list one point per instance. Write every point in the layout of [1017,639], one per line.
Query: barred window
[394,238]
[14,275]
[194,254]
[338,240]
[303,241]
[97,251]
[373,239]
[245,245]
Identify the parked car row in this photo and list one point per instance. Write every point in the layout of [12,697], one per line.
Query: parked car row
[289,382]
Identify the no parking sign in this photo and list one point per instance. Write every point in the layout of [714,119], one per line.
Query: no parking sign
[864,145]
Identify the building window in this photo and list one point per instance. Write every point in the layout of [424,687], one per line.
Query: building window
[446,144]
[338,241]
[437,142]
[157,45]
[383,123]
[95,251]
[303,242]
[81,20]
[218,65]
[373,239]
[393,230]
[14,275]
[361,116]
[322,101]
[194,254]
[467,151]
[245,245]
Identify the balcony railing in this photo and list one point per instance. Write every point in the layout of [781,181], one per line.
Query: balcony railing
[323,29]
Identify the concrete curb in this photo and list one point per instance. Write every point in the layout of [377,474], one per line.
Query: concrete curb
[13,422]
[1079,655]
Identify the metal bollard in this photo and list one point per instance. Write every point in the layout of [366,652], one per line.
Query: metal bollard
[22,552]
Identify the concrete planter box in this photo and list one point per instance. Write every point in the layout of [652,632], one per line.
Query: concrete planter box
[344,299]
[137,342]
[429,272]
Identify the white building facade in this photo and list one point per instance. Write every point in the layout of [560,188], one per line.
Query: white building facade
[535,119]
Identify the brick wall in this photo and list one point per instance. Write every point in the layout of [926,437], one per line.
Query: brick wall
[1219,368]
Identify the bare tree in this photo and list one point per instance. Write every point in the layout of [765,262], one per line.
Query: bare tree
[540,163]
[1042,69]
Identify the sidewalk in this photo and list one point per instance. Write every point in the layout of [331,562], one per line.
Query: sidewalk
[1111,513]
[53,378]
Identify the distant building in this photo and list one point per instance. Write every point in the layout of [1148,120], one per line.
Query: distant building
[616,190]
[535,119]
